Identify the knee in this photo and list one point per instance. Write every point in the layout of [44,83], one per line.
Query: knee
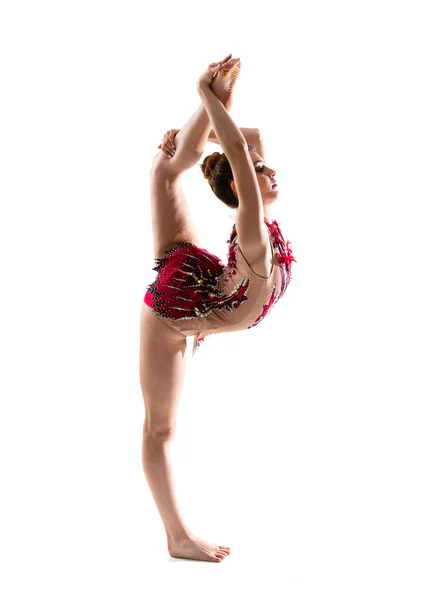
[158,433]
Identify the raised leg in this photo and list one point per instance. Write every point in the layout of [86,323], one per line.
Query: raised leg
[171,218]
[189,142]
[172,221]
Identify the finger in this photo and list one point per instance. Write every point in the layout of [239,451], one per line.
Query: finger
[226,58]
[165,143]
[217,68]
[167,148]
[223,60]
[170,143]
[217,64]
[164,149]
[224,64]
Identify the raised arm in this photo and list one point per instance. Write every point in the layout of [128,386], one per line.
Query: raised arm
[227,133]
[252,136]
[251,229]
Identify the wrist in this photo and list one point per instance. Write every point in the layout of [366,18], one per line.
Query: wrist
[201,93]
[228,103]
[205,90]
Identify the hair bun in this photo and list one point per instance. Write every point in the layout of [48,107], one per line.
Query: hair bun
[209,164]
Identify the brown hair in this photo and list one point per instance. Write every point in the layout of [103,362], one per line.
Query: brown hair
[216,169]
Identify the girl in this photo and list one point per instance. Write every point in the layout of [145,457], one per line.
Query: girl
[194,293]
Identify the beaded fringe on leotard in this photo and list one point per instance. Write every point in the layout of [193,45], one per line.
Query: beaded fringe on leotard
[187,284]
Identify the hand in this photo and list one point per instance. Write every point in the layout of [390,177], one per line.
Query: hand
[208,76]
[168,146]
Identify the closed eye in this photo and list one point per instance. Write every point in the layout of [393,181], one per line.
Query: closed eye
[260,169]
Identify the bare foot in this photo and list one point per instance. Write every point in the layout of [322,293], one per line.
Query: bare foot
[225,80]
[196,549]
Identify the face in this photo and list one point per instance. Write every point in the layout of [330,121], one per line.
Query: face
[266,179]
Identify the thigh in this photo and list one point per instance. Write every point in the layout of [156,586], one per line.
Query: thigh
[172,221]
[162,370]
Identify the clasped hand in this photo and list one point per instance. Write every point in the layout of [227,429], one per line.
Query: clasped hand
[210,73]
[168,144]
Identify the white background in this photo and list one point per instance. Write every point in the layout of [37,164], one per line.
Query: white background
[299,442]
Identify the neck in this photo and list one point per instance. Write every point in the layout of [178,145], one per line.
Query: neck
[268,213]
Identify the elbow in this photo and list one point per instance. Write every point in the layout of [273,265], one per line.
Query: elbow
[240,145]
[236,150]
[254,139]
[257,140]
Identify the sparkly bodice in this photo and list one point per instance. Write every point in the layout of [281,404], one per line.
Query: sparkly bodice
[196,294]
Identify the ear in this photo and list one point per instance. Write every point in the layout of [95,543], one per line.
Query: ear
[233,187]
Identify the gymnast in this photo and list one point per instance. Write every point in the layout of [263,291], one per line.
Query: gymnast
[194,292]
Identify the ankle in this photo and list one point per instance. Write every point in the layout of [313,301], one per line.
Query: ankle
[180,536]
[228,104]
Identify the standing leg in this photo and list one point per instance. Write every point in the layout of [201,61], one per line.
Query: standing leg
[162,367]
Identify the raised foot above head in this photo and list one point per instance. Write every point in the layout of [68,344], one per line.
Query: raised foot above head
[225,80]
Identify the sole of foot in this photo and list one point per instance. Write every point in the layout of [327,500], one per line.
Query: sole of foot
[225,80]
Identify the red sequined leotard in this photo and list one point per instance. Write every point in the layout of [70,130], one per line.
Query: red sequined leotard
[196,294]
